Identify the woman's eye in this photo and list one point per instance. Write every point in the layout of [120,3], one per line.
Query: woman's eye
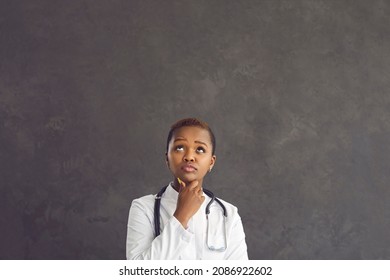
[179,148]
[202,150]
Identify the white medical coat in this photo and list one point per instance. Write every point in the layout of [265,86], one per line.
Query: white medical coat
[175,242]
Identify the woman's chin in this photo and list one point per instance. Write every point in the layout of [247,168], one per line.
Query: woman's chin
[188,178]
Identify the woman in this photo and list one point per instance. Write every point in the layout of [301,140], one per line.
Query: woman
[181,229]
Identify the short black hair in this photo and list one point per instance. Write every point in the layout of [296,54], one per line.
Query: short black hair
[191,122]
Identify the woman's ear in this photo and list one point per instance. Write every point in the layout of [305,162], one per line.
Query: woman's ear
[166,159]
[213,160]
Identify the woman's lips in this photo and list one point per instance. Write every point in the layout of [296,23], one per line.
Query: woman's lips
[188,168]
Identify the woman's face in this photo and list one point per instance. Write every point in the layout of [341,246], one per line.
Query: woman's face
[189,155]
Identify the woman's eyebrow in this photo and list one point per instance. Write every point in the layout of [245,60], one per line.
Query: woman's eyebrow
[183,139]
[179,139]
[201,143]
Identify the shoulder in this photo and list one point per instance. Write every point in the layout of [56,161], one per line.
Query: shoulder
[228,204]
[230,208]
[144,202]
[145,199]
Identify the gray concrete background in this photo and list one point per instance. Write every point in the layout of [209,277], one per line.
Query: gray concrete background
[297,93]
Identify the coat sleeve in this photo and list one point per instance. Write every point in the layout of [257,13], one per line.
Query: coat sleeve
[141,243]
[236,249]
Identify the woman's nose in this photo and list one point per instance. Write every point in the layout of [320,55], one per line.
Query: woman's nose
[189,157]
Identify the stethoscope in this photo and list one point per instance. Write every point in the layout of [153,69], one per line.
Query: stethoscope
[157,204]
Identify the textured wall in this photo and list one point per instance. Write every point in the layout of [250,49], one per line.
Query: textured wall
[296,91]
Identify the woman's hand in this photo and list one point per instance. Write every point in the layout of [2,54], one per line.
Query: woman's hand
[190,199]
